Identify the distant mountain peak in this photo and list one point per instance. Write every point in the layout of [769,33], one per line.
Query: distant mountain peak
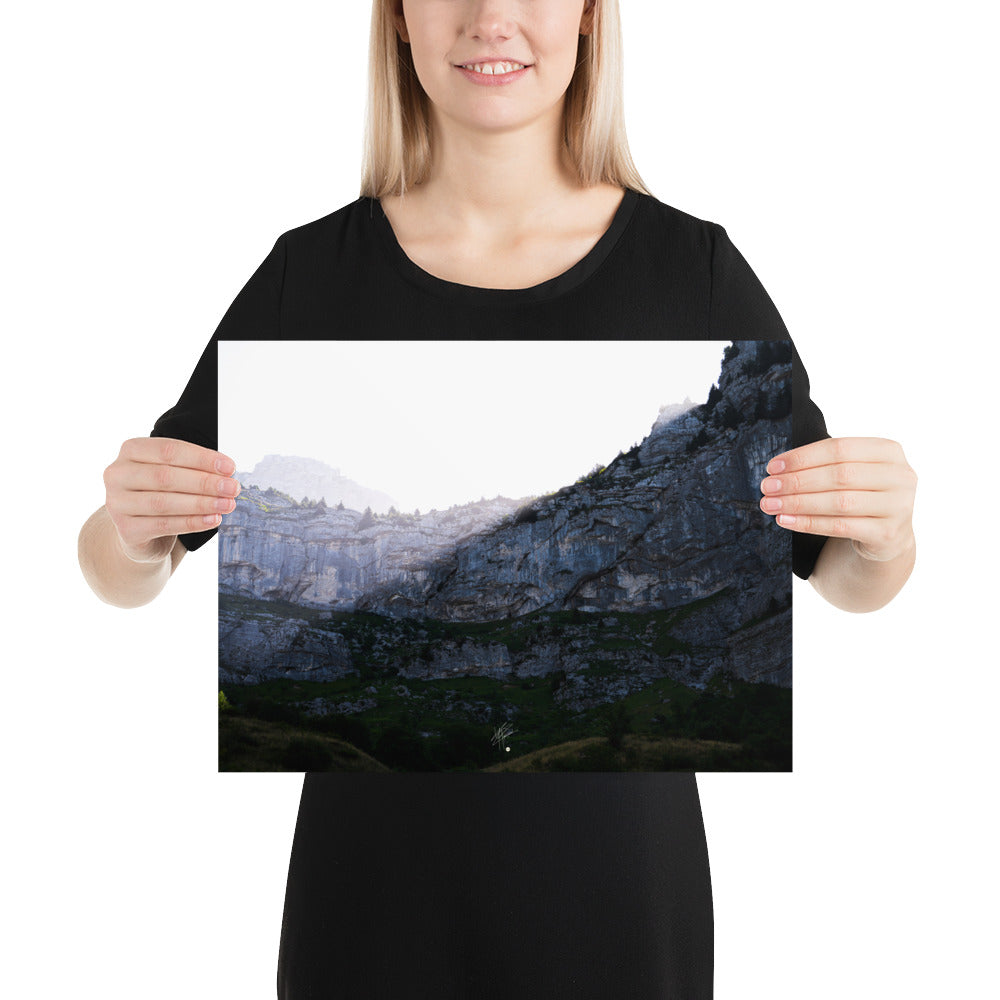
[309,477]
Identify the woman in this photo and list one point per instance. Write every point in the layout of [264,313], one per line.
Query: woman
[507,205]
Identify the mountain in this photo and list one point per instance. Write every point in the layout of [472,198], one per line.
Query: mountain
[660,564]
[307,477]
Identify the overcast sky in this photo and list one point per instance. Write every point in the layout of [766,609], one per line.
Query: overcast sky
[434,423]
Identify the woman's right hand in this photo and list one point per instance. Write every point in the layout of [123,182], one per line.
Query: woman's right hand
[158,488]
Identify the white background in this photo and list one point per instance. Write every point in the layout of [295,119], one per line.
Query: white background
[474,440]
[155,152]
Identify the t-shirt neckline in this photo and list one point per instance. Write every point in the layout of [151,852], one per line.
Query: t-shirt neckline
[559,285]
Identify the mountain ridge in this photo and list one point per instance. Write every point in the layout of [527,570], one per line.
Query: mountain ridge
[670,526]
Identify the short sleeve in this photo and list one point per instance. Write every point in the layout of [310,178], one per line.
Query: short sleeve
[255,314]
[741,309]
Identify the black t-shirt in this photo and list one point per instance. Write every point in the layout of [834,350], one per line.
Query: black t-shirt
[466,885]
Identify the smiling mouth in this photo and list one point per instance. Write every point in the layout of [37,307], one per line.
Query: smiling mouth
[494,68]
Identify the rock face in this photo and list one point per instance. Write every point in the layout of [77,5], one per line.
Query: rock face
[307,477]
[269,646]
[671,528]
[275,549]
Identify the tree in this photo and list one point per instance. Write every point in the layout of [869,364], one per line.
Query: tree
[367,519]
[616,724]
[526,515]
[726,415]
[698,440]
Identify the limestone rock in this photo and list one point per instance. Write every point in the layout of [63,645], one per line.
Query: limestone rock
[673,525]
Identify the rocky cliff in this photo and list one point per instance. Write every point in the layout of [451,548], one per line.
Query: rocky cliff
[307,477]
[668,537]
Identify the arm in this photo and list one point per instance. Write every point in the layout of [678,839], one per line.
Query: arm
[853,583]
[838,490]
[115,577]
[167,494]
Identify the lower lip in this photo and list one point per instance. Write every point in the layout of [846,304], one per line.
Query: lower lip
[485,80]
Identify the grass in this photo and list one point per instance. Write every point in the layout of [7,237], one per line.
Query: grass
[248,744]
[448,723]
[637,753]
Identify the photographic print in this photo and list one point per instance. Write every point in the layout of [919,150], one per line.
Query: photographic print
[504,556]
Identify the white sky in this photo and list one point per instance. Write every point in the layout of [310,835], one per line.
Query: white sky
[435,423]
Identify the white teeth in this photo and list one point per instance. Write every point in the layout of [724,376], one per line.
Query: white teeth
[495,69]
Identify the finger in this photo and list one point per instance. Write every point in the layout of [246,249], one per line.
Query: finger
[832,451]
[140,476]
[845,476]
[136,531]
[173,451]
[841,503]
[156,503]
[866,530]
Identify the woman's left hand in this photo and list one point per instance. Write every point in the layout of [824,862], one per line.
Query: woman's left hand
[860,488]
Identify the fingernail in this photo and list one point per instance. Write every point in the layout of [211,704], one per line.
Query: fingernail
[786,519]
[776,465]
[225,466]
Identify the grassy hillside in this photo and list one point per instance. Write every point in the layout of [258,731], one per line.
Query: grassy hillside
[636,753]
[451,725]
[247,744]
[379,718]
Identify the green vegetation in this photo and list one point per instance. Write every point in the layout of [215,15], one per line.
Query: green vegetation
[433,727]
[592,475]
[699,439]
[714,395]
[773,408]
[635,753]
[616,722]
[726,415]
[527,514]
[270,494]
[410,723]
[248,744]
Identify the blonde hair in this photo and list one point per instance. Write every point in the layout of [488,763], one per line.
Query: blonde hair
[397,143]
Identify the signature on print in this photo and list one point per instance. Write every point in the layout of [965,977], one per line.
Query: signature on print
[501,733]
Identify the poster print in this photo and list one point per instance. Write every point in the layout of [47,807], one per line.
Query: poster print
[504,556]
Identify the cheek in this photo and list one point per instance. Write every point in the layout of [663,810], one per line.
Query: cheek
[556,42]
[430,45]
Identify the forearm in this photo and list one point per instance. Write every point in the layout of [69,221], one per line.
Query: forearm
[852,583]
[113,576]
